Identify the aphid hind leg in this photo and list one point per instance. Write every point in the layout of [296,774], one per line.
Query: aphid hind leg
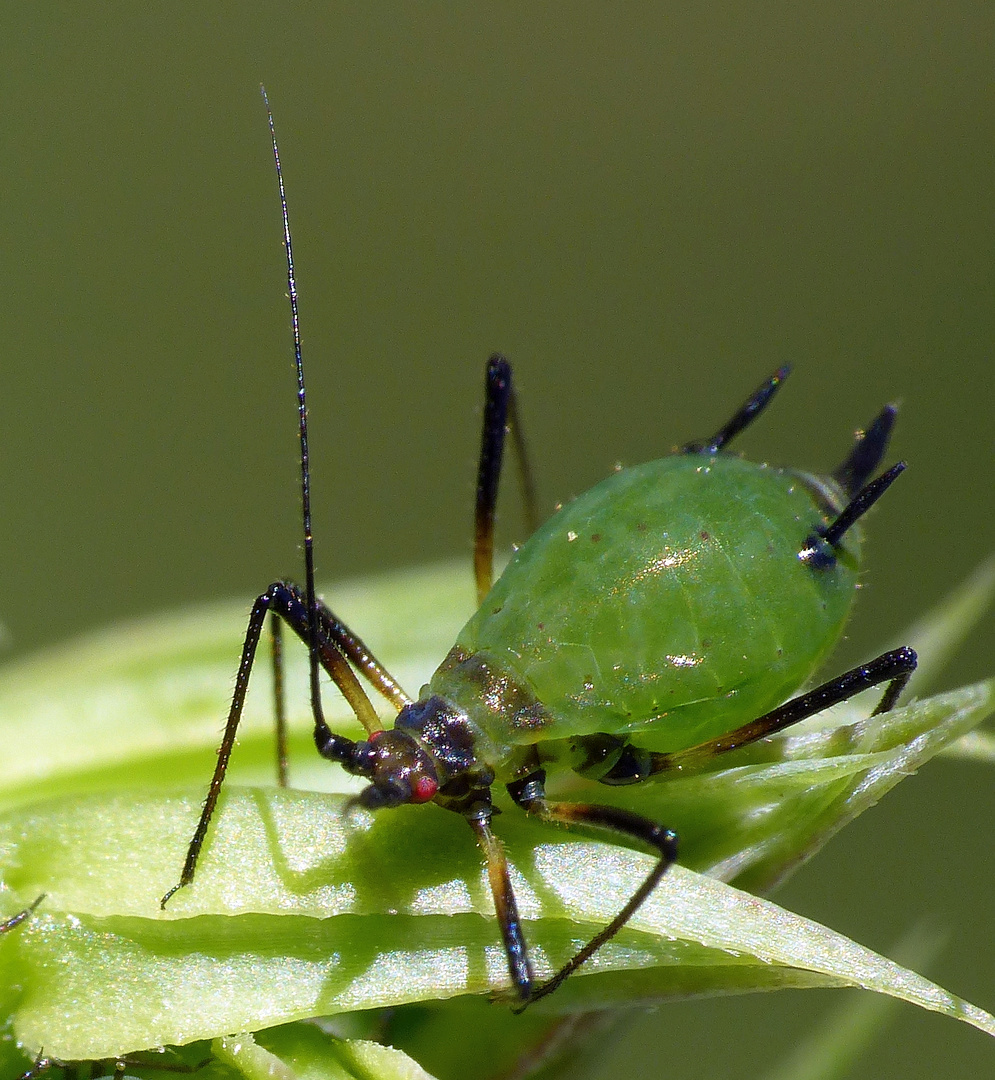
[529,794]
[40,1066]
[894,668]
[500,417]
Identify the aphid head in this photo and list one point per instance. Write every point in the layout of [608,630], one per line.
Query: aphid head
[398,768]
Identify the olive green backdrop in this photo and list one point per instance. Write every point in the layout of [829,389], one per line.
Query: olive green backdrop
[648,206]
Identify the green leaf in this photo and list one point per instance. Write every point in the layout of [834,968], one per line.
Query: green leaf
[300,909]
[303,1052]
[829,1052]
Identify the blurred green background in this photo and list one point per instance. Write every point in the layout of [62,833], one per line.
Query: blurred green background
[648,206]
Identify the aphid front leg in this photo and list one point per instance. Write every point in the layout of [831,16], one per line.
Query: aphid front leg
[286,601]
[519,964]
[530,795]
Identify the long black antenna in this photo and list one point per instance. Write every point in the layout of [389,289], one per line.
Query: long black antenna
[302,416]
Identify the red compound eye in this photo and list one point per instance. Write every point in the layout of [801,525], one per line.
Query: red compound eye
[424,789]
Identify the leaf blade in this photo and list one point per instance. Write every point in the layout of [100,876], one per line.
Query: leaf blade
[263,940]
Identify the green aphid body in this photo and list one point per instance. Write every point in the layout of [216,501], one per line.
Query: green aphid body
[668,604]
[656,622]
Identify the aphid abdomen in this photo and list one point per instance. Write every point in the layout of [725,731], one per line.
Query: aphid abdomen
[667,603]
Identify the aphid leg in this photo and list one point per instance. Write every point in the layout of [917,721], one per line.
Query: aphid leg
[894,668]
[868,450]
[529,794]
[744,416]
[286,601]
[519,964]
[16,920]
[279,704]
[500,417]
[360,657]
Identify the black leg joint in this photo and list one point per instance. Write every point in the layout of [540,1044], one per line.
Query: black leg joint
[631,824]
[337,748]
[528,790]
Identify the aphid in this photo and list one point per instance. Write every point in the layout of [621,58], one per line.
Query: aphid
[634,634]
